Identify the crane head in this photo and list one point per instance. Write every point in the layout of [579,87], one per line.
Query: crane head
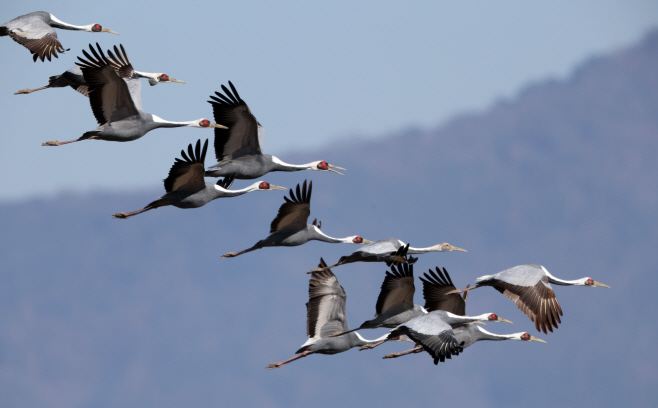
[264,186]
[446,247]
[591,283]
[492,317]
[527,337]
[358,240]
[205,123]
[324,166]
[97,28]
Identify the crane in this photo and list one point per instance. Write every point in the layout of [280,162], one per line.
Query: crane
[290,227]
[35,31]
[388,250]
[116,101]
[325,313]
[186,188]
[239,148]
[73,77]
[529,287]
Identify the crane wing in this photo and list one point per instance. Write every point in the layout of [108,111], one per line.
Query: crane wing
[538,301]
[397,292]
[294,213]
[435,287]
[109,96]
[34,34]
[325,310]
[187,174]
[244,134]
[436,336]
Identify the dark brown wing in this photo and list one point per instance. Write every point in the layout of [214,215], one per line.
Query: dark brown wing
[187,174]
[325,310]
[241,137]
[109,96]
[121,63]
[538,302]
[397,293]
[43,47]
[435,287]
[294,213]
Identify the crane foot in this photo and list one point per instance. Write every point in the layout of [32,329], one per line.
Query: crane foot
[23,91]
[51,143]
[273,366]
[121,215]
[231,255]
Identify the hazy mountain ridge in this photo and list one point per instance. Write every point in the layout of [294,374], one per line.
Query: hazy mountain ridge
[142,312]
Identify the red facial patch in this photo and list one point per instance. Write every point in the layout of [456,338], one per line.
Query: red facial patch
[164,77]
[204,123]
[323,165]
[590,282]
[97,27]
[493,317]
[264,185]
[357,240]
[525,336]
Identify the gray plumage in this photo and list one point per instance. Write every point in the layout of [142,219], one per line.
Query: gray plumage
[391,251]
[325,314]
[35,31]
[186,187]
[529,287]
[115,99]
[290,227]
[239,148]
[73,77]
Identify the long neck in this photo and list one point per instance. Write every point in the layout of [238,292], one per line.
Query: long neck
[321,236]
[158,122]
[435,248]
[360,341]
[57,23]
[562,282]
[485,335]
[232,193]
[280,165]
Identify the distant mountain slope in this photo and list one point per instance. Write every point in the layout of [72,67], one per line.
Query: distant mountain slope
[144,313]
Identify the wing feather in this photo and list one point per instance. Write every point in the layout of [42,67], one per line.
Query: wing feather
[294,213]
[187,174]
[397,292]
[435,287]
[325,310]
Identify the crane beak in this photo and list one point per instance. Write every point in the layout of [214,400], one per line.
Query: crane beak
[367,241]
[107,30]
[273,187]
[175,80]
[600,284]
[533,338]
[500,319]
[454,248]
[332,167]
[217,125]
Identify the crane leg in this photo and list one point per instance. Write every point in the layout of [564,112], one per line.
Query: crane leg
[124,215]
[234,254]
[27,91]
[326,267]
[57,143]
[416,349]
[298,356]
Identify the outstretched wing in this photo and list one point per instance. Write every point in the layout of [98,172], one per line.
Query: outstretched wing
[109,96]
[32,32]
[243,133]
[435,287]
[325,310]
[397,292]
[187,174]
[294,213]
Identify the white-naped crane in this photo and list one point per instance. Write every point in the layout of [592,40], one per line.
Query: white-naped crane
[438,291]
[36,32]
[73,77]
[115,99]
[529,287]
[186,187]
[290,227]
[325,314]
[239,148]
[389,250]
[436,287]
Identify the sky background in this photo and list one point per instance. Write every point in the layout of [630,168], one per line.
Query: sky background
[312,74]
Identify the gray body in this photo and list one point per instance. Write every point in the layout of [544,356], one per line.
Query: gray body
[188,199]
[36,22]
[393,319]
[247,167]
[378,251]
[295,238]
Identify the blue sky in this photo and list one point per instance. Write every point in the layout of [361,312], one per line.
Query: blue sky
[313,74]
